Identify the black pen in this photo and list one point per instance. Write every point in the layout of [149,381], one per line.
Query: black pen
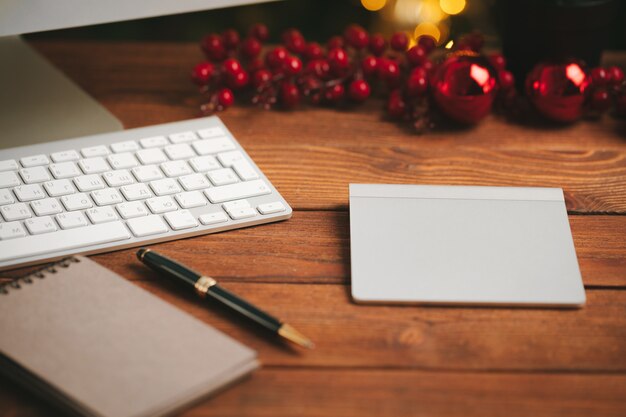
[205,285]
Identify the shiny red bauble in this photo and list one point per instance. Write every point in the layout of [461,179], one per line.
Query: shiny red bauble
[238,80]
[338,60]
[202,73]
[292,65]
[359,90]
[558,90]
[464,87]
[231,66]
[225,97]
[276,57]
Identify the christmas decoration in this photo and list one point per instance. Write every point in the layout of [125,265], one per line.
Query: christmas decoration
[418,80]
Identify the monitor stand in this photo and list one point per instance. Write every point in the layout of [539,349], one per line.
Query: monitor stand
[39,104]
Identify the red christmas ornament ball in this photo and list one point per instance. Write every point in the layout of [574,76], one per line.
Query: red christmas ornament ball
[292,65]
[558,90]
[464,87]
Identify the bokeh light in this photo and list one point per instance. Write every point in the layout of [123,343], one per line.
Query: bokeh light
[427,28]
[452,6]
[373,5]
[418,11]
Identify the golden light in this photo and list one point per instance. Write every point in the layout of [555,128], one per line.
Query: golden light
[449,44]
[417,11]
[452,6]
[373,5]
[427,28]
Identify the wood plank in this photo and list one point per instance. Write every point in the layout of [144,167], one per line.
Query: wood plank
[362,393]
[314,247]
[590,339]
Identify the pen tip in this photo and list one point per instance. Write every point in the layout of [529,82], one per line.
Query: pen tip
[295,336]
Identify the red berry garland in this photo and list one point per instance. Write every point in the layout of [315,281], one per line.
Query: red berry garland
[351,68]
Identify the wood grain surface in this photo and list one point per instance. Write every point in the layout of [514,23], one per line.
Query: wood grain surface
[381,360]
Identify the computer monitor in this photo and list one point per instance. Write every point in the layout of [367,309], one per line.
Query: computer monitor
[38,103]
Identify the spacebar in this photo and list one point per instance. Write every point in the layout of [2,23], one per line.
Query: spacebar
[62,240]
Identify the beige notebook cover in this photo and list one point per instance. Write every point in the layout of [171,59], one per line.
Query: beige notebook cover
[101,346]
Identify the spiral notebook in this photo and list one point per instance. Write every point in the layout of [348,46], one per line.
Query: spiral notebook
[98,345]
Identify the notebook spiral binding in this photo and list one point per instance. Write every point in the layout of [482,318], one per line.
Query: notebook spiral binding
[39,273]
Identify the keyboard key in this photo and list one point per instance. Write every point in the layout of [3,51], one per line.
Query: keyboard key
[159,205]
[11,230]
[223,176]
[126,146]
[234,205]
[132,209]
[212,218]
[34,161]
[191,199]
[58,188]
[122,160]
[94,165]
[94,151]
[71,220]
[237,191]
[242,213]
[194,182]
[17,211]
[8,179]
[65,156]
[78,201]
[204,163]
[211,132]
[179,151]
[29,192]
[182,219]
[86,183]
[154,142]
[106,196]
[146,226]
[175,168]
[64,170]
[147,173]
[270,208]
[8,165]
[151,156]
[183,137]
[118,178]
[136,192]
[99,215]
[165,186]
[46,207]
[64,240]
[6,197]
[35,174]
[245,171]
[39,225]
[227,159]
[210,146]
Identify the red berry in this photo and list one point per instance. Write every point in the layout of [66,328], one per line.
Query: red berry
[294,41]
[251,47]
[335,42]
[417,84]
[369,65]
[506,79]
[399,41]
[338,60]
[238,80]
[225,97]
[202,73]
[289,94]
[356,36]
[396,107]
[319,67]
[231,66]
[214,47]
[230,37]
[427,42]
[600,100]
[616,75]
[276,57]
[416,55]
[599,76]
[388,69]
[335,93]
[498,62]
[261,77]
[292,65]
[359,90]
[260,32]
[378,44]
[313,50]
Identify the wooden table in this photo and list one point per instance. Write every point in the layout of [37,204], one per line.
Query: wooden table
[381,360]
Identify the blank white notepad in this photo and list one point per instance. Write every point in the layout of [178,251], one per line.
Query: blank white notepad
[462,245]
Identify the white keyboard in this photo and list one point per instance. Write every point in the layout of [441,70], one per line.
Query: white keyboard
[135,187]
